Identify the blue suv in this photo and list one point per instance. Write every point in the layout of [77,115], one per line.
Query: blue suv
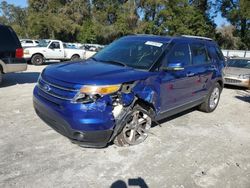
[135,81]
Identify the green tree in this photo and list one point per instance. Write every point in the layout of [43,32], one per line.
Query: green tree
[14,16]
[237,12]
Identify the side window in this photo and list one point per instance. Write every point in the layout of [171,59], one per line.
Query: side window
[212,53]
[179,54]
[220,54]
[55,45]
[199,54]
[29,42]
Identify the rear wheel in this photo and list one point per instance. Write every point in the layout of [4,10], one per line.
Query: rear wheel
[136,128]
[37,59]
[212,100]
[75,57]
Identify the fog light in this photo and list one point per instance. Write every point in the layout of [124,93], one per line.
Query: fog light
[79,136]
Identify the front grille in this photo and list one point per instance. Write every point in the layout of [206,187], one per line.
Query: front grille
[55,90]
[230,80]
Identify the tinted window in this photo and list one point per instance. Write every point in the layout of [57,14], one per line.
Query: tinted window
[179,54]
[212,53]
[29,42]
[55,45]
[199,54]
[8,39]
[220,54]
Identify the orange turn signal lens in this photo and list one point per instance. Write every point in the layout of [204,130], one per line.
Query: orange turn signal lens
[101,90]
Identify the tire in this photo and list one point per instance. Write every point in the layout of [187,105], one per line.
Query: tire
[75,57]
[135,132]
[1,76]
[37,59]
[212,99]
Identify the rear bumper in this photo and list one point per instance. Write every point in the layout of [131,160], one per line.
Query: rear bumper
[56,120]
[15,68]
[13,64]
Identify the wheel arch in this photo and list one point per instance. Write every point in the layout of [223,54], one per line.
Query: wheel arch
[146,105]
[75,55]
[38,53]
[221,83]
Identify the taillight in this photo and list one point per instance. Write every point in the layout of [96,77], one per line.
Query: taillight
[19,53]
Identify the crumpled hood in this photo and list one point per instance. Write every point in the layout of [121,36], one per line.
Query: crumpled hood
[92,72]
[234,71]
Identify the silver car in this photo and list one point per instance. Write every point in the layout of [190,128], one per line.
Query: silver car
[237,72]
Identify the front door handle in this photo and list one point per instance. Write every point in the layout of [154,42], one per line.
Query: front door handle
[190,74]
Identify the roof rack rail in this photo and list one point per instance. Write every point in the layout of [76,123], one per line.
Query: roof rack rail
[197,37]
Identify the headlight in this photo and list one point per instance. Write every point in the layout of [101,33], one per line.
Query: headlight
[244,76]
[26,51]
[89,93]
[100,90]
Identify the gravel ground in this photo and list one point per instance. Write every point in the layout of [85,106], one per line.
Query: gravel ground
[193,149]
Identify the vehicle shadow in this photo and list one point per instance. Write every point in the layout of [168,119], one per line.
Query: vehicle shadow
[45,63]
[19,78]
[235,87]
[135,182]
[243,96]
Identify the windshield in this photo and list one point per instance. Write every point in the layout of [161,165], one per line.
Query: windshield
[43,43]
[136,53]
[239,63]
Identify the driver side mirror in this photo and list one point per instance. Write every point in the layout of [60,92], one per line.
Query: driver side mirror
[173,67]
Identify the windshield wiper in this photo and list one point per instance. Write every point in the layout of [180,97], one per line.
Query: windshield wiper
[114,62]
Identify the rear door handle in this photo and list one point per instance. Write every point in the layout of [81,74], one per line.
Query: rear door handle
[190,74]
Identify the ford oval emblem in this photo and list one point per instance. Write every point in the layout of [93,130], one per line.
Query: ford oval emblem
[46,87]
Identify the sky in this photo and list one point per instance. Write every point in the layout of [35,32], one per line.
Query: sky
[218,20]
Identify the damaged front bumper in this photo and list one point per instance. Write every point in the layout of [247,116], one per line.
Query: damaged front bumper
[89,125]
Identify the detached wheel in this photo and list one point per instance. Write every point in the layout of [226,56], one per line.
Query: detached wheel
[75,57]
[212,100]
[136,128]
[37,59]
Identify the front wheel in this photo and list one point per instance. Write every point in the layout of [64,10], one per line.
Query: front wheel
[212,100]
[136,128]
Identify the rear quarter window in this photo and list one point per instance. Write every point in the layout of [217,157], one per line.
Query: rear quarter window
[8,39]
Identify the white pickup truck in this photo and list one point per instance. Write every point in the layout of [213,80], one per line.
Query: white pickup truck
[52,50]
